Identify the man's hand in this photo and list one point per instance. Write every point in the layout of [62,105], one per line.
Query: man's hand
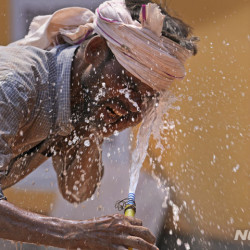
[110,232]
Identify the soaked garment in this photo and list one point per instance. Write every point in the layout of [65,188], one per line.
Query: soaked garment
[34,104]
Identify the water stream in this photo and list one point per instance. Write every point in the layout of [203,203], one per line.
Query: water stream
[140,152]
[151,124]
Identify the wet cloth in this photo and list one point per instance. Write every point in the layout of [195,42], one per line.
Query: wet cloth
[34,101]
[138,46]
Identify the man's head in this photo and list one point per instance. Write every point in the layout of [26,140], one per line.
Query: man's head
[173,28]
[140,45]
[146,41]
[113,98]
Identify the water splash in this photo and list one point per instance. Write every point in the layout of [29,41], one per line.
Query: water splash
[152,123]
[140,152]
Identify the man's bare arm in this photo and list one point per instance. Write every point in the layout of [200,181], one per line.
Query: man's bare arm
[108,232]
[78,166]
[19,225]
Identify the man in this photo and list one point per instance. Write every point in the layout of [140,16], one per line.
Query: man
[61,102]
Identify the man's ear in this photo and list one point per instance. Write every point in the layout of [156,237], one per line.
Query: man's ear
[96,51]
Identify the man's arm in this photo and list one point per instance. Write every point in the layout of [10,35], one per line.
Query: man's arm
[109,232]
[20,225]
[78,166]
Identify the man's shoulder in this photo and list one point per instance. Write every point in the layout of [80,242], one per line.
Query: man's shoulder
[24,66]
[23,51]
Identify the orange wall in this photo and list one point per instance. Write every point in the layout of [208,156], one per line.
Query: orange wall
[211,136]
[4,22]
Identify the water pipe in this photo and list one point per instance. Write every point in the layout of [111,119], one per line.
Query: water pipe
[128,205]
[130,208]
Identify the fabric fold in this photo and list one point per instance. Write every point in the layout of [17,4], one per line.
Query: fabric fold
[138,46]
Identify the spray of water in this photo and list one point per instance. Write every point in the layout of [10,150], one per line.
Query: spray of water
[140,152]
[151,123]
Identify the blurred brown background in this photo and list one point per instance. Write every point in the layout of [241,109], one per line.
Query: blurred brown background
[207,154]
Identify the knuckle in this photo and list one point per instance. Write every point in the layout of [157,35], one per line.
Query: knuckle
[140,242]
[118,216]
[119,227]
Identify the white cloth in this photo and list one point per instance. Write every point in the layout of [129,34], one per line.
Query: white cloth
[65,25]
[139,47]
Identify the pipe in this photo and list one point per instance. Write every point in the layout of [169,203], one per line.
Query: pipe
[130,208]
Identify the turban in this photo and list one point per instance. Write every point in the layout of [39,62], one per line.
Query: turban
[138,46]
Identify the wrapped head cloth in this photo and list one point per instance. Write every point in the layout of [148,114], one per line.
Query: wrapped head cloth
[138,46]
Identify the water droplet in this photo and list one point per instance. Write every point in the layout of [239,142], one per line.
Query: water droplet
[86,143]
[236,168]
[187,246]
[179,242]
[116,133]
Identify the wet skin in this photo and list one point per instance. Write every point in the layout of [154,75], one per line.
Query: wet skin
[109,97]
[98,110]
[105,98]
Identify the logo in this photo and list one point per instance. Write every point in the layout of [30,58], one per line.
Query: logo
[242,234]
